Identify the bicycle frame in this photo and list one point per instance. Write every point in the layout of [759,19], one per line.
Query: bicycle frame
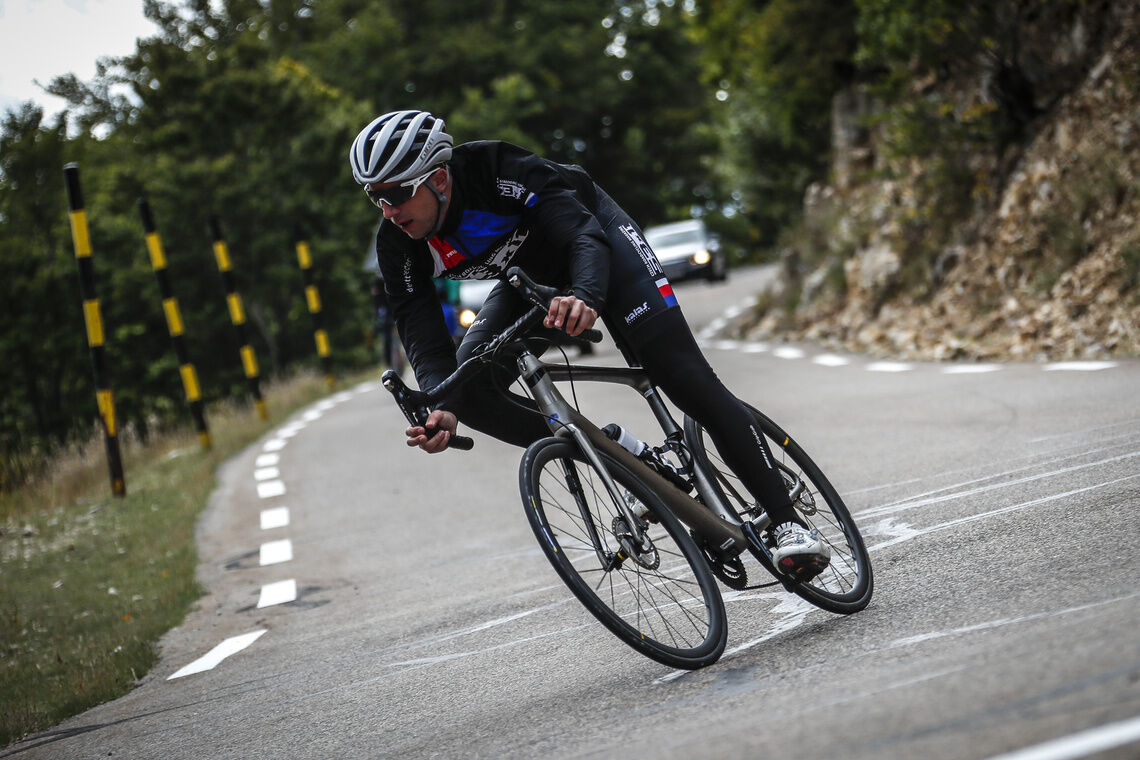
[713,521]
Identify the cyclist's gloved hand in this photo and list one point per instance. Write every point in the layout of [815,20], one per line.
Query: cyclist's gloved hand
[442,424]
[570,314]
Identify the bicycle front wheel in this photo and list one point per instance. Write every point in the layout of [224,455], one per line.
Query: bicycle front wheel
[846,585]
[659,597]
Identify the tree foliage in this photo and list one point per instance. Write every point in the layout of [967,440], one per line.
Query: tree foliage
[775,66]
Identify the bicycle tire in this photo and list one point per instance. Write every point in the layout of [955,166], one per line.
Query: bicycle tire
[672,613]
[847,584]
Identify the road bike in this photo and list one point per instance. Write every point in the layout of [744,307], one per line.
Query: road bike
[640,534]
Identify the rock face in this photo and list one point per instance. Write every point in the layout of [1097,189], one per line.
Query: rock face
[1043,261]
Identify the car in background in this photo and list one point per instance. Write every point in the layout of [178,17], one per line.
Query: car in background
[472,294]
[686,249]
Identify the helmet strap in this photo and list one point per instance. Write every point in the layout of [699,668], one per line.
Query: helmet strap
[441,198]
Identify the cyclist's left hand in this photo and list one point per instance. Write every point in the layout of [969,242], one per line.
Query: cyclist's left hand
[570,314]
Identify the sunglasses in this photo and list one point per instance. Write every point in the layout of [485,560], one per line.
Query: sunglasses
[398,194]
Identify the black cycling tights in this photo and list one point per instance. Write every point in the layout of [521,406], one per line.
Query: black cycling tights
[674,362]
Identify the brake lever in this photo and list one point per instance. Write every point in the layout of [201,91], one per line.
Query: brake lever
[541,296]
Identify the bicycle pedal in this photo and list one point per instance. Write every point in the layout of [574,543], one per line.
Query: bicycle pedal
[802,572]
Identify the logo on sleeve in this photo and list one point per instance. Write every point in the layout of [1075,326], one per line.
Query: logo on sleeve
[508,188]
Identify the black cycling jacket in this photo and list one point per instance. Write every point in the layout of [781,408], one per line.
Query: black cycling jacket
[508,207]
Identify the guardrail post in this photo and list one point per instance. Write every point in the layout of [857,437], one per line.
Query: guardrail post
[237,316]
[92,317]
[313,300]
[174,323]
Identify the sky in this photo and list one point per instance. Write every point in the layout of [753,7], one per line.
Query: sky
[42,39]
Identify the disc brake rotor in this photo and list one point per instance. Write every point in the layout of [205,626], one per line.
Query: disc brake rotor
[646,556]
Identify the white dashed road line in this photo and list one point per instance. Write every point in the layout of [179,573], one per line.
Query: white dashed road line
[1078,366]
[889,367]
[278,517]
[277,593]
[270,488]
[275,552]
[269,485]
[970,369]
[708,338]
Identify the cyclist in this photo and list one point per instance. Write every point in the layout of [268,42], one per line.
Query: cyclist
[470,212]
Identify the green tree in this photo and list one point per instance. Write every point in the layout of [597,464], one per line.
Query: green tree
[45,374]
[776,67]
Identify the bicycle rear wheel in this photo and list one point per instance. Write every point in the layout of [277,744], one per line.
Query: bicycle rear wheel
[661,598]
[846,585]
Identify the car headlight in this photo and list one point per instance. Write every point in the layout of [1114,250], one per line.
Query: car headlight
[466,318]
[700,258]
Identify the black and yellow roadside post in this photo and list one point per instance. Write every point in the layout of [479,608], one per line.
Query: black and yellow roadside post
[237,316]
[92,317]
[313,299]
[174,323]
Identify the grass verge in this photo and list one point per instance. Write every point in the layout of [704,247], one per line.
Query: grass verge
[89,582]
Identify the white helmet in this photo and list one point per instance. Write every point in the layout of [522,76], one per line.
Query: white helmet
[399,146]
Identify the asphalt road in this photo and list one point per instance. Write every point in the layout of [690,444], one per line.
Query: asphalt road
[1000,507]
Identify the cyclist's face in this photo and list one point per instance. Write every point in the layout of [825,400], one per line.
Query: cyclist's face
[415,216]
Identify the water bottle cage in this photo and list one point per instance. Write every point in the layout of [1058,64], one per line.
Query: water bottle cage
[654,457]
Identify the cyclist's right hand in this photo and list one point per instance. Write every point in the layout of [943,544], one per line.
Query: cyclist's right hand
[442,423]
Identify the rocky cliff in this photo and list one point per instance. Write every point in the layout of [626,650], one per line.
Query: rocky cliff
[1038,257]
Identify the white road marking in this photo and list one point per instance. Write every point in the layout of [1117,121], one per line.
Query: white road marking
[276,552]
[970,369]
[311,415]
[1078,366]
[217,654]
[889,367]
[1002,510]
[281,592]
[273,444]
[1071,434]
[270,488]
[905,505]
[266,473]
[788,352]
[267,460]
[831,360]
[755,348]
[726,345]
[288,432]
[1081,744]
[278,517]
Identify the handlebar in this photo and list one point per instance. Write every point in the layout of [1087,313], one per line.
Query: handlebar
[416,405]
